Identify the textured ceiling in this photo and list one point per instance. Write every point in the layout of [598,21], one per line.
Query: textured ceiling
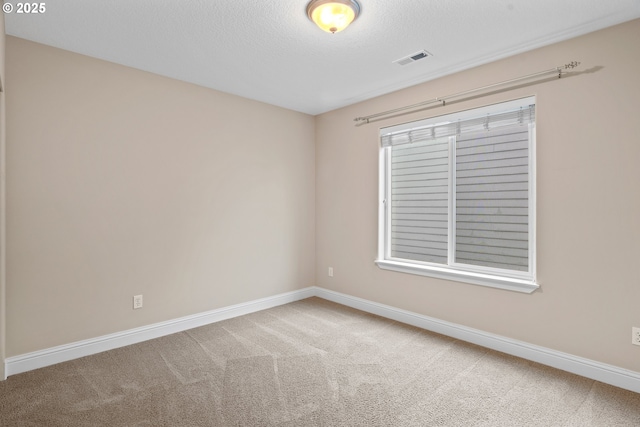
[271,52]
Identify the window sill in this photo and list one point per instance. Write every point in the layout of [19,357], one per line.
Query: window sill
[508,283]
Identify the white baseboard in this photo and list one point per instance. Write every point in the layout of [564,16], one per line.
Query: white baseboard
[602,372]
[50,356]
[608,374]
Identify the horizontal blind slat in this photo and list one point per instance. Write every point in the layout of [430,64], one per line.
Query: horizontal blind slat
[409,150]
[420,183]
[503,170]
[420,217]
[494,264]
[495,210]
[420,170]
[423,224]
[421,244]
[508,145]
[419,251]
[488,226]
[419,257]
[489,258]
[436,204]
[440,154]
[490,234]
[487,156]
[491,219]
[491,195]
[437,161]
[420,176]
[432,231]
[497,243]
[489,179]
[492,250]
[423,237]
[509,203]
[492,187]
[492,165]
[420,197]
[420,210]
[480,143]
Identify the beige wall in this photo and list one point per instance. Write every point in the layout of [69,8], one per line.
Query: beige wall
[122,182]
[2,202]
[588,166]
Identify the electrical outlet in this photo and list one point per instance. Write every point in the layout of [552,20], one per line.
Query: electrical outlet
[137,301]
[330,271]
[635,336]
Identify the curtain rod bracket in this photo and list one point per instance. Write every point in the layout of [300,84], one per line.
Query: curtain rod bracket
[570,66]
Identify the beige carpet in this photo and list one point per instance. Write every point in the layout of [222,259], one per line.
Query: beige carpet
[310,363]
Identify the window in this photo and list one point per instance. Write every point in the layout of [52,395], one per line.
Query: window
[457,196]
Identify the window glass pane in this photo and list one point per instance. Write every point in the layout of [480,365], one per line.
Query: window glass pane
[419,201]
[492,198]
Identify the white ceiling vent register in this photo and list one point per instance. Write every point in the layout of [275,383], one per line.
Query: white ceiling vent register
[412,58]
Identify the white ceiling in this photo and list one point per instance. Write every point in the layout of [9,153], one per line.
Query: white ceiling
[269,50]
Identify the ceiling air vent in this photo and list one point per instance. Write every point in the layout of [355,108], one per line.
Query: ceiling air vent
[412,58]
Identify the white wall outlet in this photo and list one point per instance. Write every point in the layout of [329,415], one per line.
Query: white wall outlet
[137,301]
[330,272]
[635,336]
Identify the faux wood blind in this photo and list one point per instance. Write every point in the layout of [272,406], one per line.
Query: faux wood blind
[490,196]
[419,201]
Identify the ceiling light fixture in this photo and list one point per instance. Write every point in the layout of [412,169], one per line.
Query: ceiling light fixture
[333,16]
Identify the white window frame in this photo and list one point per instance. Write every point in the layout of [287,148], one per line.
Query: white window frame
[479,275]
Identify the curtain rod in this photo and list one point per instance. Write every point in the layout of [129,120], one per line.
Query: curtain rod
[443,99]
